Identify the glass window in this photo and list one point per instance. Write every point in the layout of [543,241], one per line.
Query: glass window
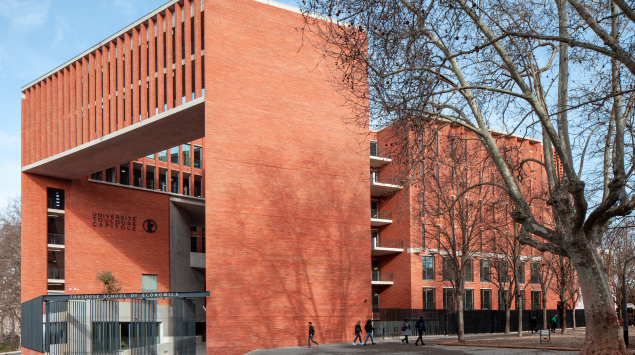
[486,299]
[149,283]
[111,176]
[501,270]
[174,155]
[448,270]
[55,199]
[163,183]
[374,209]
[535,300]
[136,178]
[520,300]
[428,267]
[151,156]
[448,298]
[203,241]
[174,184]
[186,186]
[521,273]
[193,229]
[150,180]
[428,298]
[186,154]
[468,300]
[197,157]
[198,187]
[469,274]
[124,174]
[373,148]
[375,300]
[535,273]
[163,156]
[486,275]
[193,246]
[501,299]
[96,176]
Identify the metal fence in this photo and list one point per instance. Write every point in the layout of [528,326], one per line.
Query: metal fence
[381,276]
[444,322]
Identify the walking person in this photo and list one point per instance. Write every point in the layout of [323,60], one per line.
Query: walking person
[311,334]
[405,331]
[421,328]
[358,333]
[554,323]
[534,325]
[369,331]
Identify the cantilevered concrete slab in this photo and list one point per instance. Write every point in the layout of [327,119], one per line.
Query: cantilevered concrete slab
[179,125]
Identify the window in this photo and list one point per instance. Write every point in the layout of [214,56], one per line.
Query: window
[469,273]
[428,267]
[520,300]
[55,199]
[163,183]
[136,178]
[151,156]
[374,176]
[468,300]
[535,300]
[448,298]
[203,241]
[502,296]
[373,148]
[374,233]
[111,175]
[197,157]
[486,275]
[193,229]
[502,270]
[486,300]
[124,174]
[150,179]
[163,156]
[448,270]
[186,186]
[174,155]
[535,273]
[198,188]
[375,301]
[428,298]
[186,154]
[149,283]
[521,273]
[374,209]
[174,184]
[96,176]
[193,247]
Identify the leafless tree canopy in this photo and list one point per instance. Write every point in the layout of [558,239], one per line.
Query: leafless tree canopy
[10,270]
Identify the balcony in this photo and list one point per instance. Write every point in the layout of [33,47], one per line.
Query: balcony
[197,260]
[377,158]
[381,185]
[380,218]
[55,241]
[55,204]
[56,276]
[381,278]
[384,246]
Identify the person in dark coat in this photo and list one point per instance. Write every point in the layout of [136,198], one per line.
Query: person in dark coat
[421,328]
[311,334]
[369,331]
[534,325]
[358,333]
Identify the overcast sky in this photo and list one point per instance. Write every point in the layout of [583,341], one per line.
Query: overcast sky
[39,35]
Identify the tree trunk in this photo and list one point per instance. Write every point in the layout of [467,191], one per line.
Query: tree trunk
[460,320]
[520,318]
[544,316]
[563,320]
[573,315]
[603,333]
[507,317]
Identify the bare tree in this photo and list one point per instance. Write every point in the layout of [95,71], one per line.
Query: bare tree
[493,63]
[619,246]
[541,272]
[10,269]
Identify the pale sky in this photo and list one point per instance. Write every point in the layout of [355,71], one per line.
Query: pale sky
[39,35]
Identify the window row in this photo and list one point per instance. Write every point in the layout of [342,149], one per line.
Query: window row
[486,300]
[187,184]
[490,270]
[186,155]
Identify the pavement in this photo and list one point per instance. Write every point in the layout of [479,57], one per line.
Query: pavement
[394,346]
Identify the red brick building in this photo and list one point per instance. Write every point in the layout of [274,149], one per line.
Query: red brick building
[200,149]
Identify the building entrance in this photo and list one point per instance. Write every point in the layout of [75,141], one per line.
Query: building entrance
[135,324]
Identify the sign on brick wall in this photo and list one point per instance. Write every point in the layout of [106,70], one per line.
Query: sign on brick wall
[115,221]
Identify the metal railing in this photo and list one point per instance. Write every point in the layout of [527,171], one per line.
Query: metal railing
[381,276]
[381,214]
[388,243]
[54,203]
[380,152]
[56,274]
[54,238]
[389,180]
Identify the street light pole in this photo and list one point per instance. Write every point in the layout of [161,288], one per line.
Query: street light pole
[624,310]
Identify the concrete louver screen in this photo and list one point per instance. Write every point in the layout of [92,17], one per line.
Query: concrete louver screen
[150,67]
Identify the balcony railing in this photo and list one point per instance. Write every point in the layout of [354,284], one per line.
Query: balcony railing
[388,180]
[381,276]
[55,204]
[197,163]
[381,214]
[54,238]
[388,243]
[56,274]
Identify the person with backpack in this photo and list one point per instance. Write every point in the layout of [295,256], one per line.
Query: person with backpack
[369,331]
[554,323]
[358,333]
[405,331]
[311,334]
[421,328]
[534,325]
